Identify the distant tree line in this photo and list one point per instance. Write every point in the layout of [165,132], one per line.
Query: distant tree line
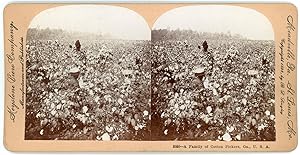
[160,34]
[59,34]
[166,34]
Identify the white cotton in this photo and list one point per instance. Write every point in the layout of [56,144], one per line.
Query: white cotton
[162,115]
[97,98]
[91,92]
[215,92]
[107,97]
[252,72]
[58,106]
[105,137]
[209,109]
[52,105]
[115,137]
[146,113]
[74,70]
[182,107]
[136,128]
[53,112]
[37,115]
[226,137]
[85,109]
[267,113]
[198,126]
[176,95]
[109,129]
[166,132]
[230,129]
[176,106]
[120,101]
[113,109]
[244,101]
[181,91]
[206,83]
[177,112]
[238,137]
[42,132]
[272,117]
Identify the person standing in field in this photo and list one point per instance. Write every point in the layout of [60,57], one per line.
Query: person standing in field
[208,57]
[77,45]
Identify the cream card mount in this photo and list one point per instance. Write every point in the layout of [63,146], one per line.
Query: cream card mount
[150,77]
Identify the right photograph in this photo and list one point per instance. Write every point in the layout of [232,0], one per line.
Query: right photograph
[213,74]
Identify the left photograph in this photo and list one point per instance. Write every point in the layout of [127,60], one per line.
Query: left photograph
[87,74]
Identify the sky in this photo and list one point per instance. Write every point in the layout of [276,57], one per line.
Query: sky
[217,18]
[116,21]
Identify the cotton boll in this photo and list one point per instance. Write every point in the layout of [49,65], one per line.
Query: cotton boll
[238,137]
[176,106]
[244,101]
[198,126]
[42,132]
[85,109]
[146,113]
[209,109]
[113,109]
[226,137]
[166,132]
[267,113]
[115,137]
[177,112]
[272,117]
[230,129]
[182,107]
[206,83]
[58,106]
[105,137]
[120,101]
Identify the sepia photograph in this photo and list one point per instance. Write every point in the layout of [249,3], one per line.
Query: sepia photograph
[212,75]
[88,74]
[203,73]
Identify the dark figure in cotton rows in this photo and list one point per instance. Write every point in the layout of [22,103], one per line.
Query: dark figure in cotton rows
[77,45]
